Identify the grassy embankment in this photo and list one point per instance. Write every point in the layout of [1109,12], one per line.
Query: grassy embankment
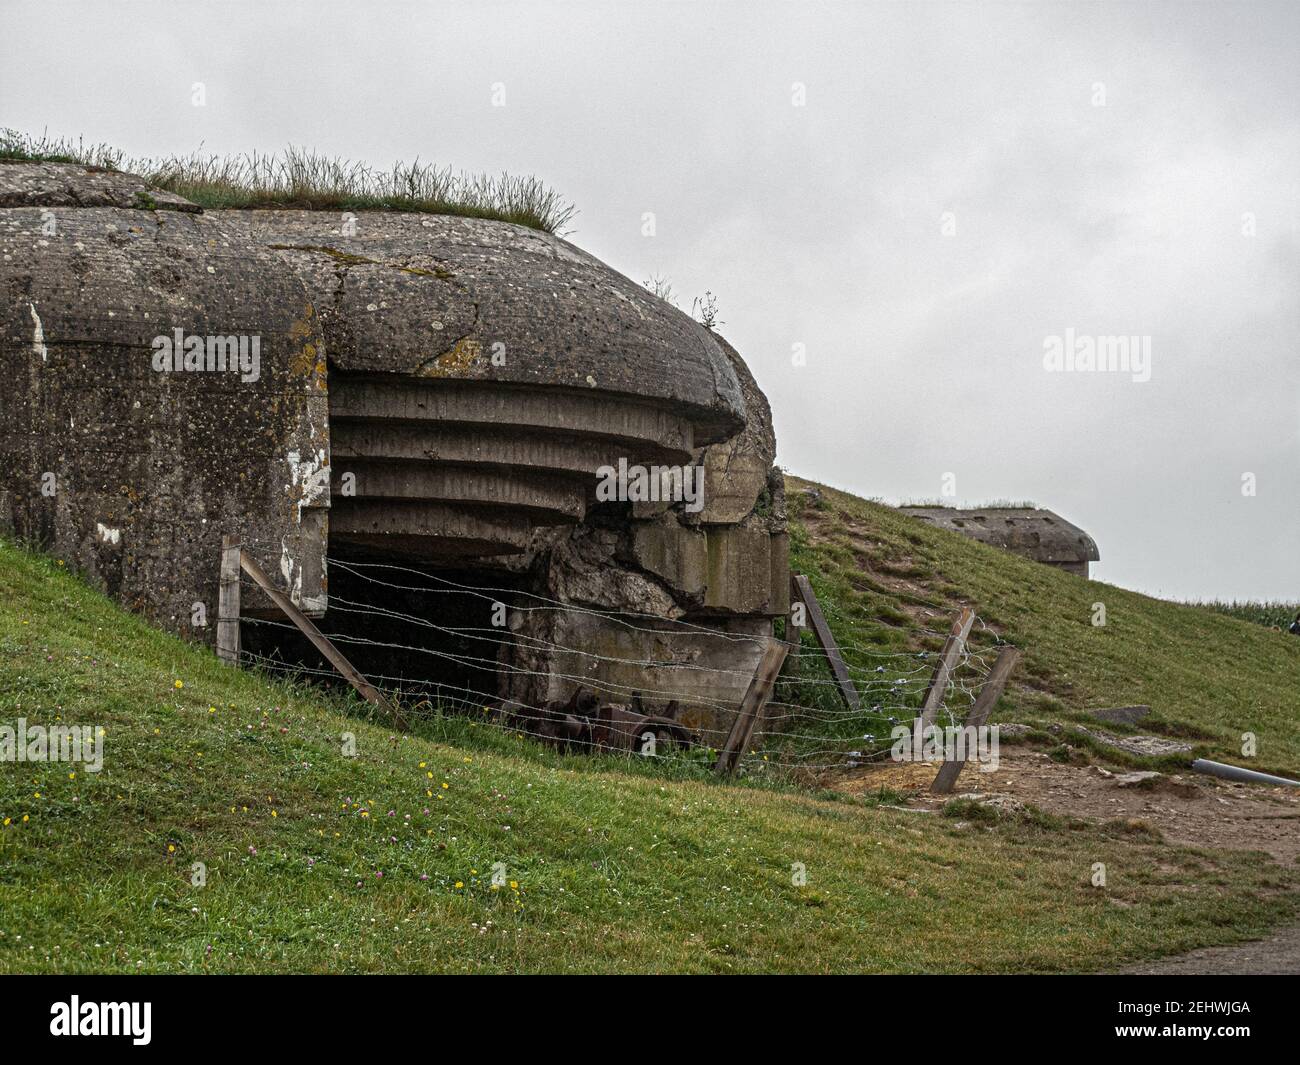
[383,861]
[885,578]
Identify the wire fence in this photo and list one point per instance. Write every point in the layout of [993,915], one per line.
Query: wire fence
[677,690]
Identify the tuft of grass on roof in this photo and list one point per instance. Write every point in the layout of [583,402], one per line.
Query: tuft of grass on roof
[992,504]
[17,147]
[302,179]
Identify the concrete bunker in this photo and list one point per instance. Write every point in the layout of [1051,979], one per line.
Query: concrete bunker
[1029,531]
[433,393]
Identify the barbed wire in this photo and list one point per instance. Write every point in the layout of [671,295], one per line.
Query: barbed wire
[503,638]
[617,616]
[810,728]
[603,683]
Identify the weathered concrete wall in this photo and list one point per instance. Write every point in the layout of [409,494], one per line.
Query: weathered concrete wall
[705,669]
[129,473]
[737,471]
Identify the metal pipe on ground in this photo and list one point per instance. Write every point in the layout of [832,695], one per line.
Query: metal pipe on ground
[1235,772]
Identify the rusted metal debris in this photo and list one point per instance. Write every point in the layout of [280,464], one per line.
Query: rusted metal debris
[584,723]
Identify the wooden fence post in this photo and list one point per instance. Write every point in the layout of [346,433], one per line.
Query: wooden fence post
[367,690]
[751,706]
[228,609]
[952,648]
[979,713]
[795,628]
[825,637]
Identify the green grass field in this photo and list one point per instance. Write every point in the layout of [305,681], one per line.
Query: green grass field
[383,861]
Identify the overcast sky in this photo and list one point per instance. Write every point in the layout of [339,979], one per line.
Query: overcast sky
[956,184]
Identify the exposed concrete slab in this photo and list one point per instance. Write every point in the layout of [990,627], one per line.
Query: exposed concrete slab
[739,567]
[74,185]
[422,527]
[638,426]
[1123,715]
[480,446]
[544,499]
[733,479]
[705,672]
[778,603]
[674,552]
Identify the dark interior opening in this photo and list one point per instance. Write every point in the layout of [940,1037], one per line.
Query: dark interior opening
[421,629]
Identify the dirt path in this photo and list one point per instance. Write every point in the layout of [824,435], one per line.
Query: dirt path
[1190,809]
[1278,955]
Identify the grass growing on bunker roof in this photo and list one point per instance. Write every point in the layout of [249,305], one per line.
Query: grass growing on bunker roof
[306,180]
[992,504]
